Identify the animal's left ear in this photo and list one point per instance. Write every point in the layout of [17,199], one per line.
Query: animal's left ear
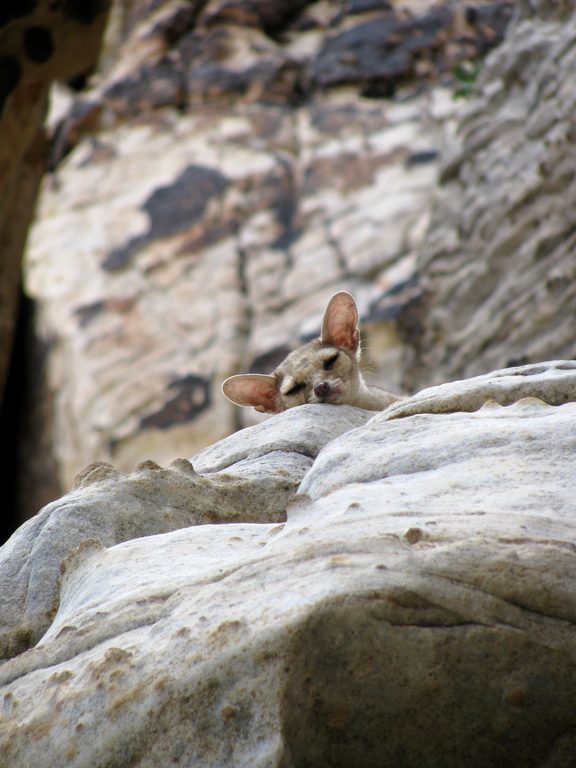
[340,323]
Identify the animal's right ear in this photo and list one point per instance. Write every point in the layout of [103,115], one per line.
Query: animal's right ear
[253,389]
[340,323]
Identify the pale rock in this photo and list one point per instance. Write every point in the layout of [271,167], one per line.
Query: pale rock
[552,382]
[251,476]
[417,607]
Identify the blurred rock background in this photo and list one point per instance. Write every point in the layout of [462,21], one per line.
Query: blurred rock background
[211,172]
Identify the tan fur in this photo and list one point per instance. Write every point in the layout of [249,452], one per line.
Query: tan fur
[325,370]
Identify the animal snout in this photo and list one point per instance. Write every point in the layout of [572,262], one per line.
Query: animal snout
[321,389]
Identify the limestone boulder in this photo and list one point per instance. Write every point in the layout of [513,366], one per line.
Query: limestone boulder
[416,608]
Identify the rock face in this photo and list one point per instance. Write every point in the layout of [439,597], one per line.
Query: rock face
[498,267]
[226,173]
[417,607]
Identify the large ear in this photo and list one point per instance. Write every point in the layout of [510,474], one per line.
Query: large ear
[253,389]
[340,323]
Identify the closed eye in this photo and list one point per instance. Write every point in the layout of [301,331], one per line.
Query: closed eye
[329,362]
[295,389]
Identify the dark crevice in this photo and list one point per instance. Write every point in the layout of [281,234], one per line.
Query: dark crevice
[10,407]
[28,473]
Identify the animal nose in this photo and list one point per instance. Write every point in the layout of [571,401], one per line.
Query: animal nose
[322,389]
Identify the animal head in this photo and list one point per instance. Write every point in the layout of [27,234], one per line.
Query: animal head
[325,370]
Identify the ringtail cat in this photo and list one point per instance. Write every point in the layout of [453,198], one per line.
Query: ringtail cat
[326,370]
